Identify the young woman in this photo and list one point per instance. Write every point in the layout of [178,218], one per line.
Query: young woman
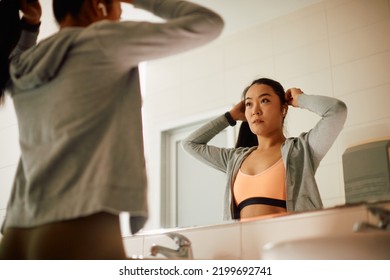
[12,28]
[78,103]
[277,175]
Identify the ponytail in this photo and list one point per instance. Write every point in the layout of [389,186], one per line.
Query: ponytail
[4,77]
[9,36]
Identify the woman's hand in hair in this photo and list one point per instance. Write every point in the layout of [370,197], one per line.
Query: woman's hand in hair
[292,96]
[238,111]
[32,11]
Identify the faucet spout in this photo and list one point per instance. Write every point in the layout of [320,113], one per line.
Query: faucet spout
[183,252]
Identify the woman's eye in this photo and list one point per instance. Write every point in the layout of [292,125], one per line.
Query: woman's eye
[247,104]
[265,100]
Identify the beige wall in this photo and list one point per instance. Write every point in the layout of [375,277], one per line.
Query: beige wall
[337,48]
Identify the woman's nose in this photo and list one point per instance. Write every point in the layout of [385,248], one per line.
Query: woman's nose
[256,109]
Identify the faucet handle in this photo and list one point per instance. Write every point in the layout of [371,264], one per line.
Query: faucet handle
[183,252]
[383,215]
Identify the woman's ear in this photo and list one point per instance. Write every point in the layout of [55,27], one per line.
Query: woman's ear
[90,11]
[96,8]
[284,110]
[102,7]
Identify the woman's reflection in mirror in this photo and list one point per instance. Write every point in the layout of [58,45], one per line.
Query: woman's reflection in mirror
[269,174]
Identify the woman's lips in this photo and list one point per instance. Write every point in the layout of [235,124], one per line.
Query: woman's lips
[257,121]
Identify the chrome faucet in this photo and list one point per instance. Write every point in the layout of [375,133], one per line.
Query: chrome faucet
[183,252]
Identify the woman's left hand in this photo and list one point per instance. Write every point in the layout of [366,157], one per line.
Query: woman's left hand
[32,11]
[238,111]
[292,96]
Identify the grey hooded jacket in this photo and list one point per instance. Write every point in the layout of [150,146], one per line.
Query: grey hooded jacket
[78,104]
[301,155]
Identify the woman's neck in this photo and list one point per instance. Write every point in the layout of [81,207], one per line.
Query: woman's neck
[82,21]
[270,142]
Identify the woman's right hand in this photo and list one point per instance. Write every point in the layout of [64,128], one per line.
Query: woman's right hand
[238,111]
[31,10]
[292,96]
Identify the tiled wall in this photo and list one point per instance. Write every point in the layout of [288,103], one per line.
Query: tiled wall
[337,48]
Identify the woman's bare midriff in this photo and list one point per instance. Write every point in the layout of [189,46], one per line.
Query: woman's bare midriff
[253,211]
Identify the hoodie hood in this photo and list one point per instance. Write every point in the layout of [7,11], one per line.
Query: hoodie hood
[40,64]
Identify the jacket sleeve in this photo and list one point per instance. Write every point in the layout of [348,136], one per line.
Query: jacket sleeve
[27,40]
[333,113]
[185,26]
[196,144]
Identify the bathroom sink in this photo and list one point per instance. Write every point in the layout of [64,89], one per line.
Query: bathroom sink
[370,245]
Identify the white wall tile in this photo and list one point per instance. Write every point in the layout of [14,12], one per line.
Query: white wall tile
[247,46]
[6,180]
[163,104]
[164,74]
[202,95]
[303,60]
[315,83]
[331,4]
[201,63]
[239,77]
[363,74]
[361,42]
[358,134]
[368,105]
[330,202]
[356,14]
[298,121]
[7,113]
[9,148]
[299,29]
[329,186]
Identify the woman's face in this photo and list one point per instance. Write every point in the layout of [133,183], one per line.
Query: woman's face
[263,110]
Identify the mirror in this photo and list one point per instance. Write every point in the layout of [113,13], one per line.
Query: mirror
[335,48]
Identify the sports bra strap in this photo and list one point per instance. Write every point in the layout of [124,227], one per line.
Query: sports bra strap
[262,200]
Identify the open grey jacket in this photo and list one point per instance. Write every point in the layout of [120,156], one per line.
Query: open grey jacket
[301,155]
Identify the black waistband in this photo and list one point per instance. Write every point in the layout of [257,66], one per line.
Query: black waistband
[262,200]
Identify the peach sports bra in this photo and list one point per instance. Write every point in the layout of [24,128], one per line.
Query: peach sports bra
[267,187]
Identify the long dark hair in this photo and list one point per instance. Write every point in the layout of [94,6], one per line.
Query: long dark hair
[61,8]
[245,136]
[9,36]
